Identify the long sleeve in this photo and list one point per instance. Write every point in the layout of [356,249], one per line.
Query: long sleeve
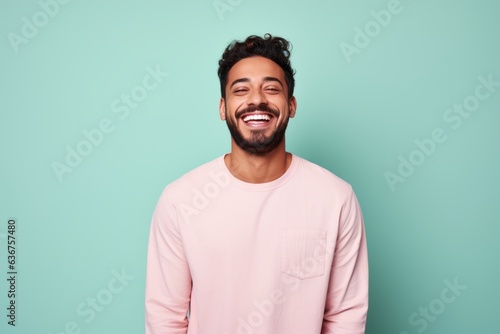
[168,279]
[347,300]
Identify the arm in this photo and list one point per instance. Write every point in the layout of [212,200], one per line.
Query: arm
[168,279]
[347,299]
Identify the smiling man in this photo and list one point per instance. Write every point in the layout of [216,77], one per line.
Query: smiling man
[258,240]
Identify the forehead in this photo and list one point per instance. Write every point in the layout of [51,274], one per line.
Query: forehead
[255,68]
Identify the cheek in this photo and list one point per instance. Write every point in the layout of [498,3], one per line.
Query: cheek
[284,111]
[234,106]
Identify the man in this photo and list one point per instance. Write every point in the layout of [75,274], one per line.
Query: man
[258,240]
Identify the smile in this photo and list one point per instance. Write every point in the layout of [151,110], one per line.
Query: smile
[256,118]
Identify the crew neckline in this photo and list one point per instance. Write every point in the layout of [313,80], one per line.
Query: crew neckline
[294,165]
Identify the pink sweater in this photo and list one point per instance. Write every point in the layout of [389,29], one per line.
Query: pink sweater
[283,257]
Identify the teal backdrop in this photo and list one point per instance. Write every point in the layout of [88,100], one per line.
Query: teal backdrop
[106,102]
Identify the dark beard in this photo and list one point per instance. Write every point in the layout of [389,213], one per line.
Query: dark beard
[258,144]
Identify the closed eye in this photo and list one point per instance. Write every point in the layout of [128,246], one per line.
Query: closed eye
[273,89]
[240,90]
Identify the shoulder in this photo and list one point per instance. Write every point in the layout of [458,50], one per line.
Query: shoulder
[321,179]
[207,175]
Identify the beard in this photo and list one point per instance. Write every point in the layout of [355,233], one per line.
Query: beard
[258,144]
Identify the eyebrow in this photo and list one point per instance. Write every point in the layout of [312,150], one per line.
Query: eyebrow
[266,79]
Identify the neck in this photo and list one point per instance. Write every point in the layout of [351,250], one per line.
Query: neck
[258,169]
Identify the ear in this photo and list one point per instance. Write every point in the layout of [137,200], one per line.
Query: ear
[292,106]
[222,109]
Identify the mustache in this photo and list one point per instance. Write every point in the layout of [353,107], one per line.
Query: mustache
[260,107]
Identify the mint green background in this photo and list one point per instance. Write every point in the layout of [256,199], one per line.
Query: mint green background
[353,118]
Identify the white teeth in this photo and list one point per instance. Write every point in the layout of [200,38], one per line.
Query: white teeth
[256,118]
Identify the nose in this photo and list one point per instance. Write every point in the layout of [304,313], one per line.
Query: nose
[256,97]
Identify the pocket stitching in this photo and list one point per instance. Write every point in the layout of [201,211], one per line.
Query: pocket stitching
[298,253]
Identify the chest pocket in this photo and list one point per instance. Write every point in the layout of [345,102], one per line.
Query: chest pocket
[303,253]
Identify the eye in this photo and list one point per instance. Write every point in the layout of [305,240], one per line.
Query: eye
[240,90]
[272,90]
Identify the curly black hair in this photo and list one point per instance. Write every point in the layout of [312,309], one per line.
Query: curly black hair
[276,49]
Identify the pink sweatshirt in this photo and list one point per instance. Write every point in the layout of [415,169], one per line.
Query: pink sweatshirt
[283,257]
